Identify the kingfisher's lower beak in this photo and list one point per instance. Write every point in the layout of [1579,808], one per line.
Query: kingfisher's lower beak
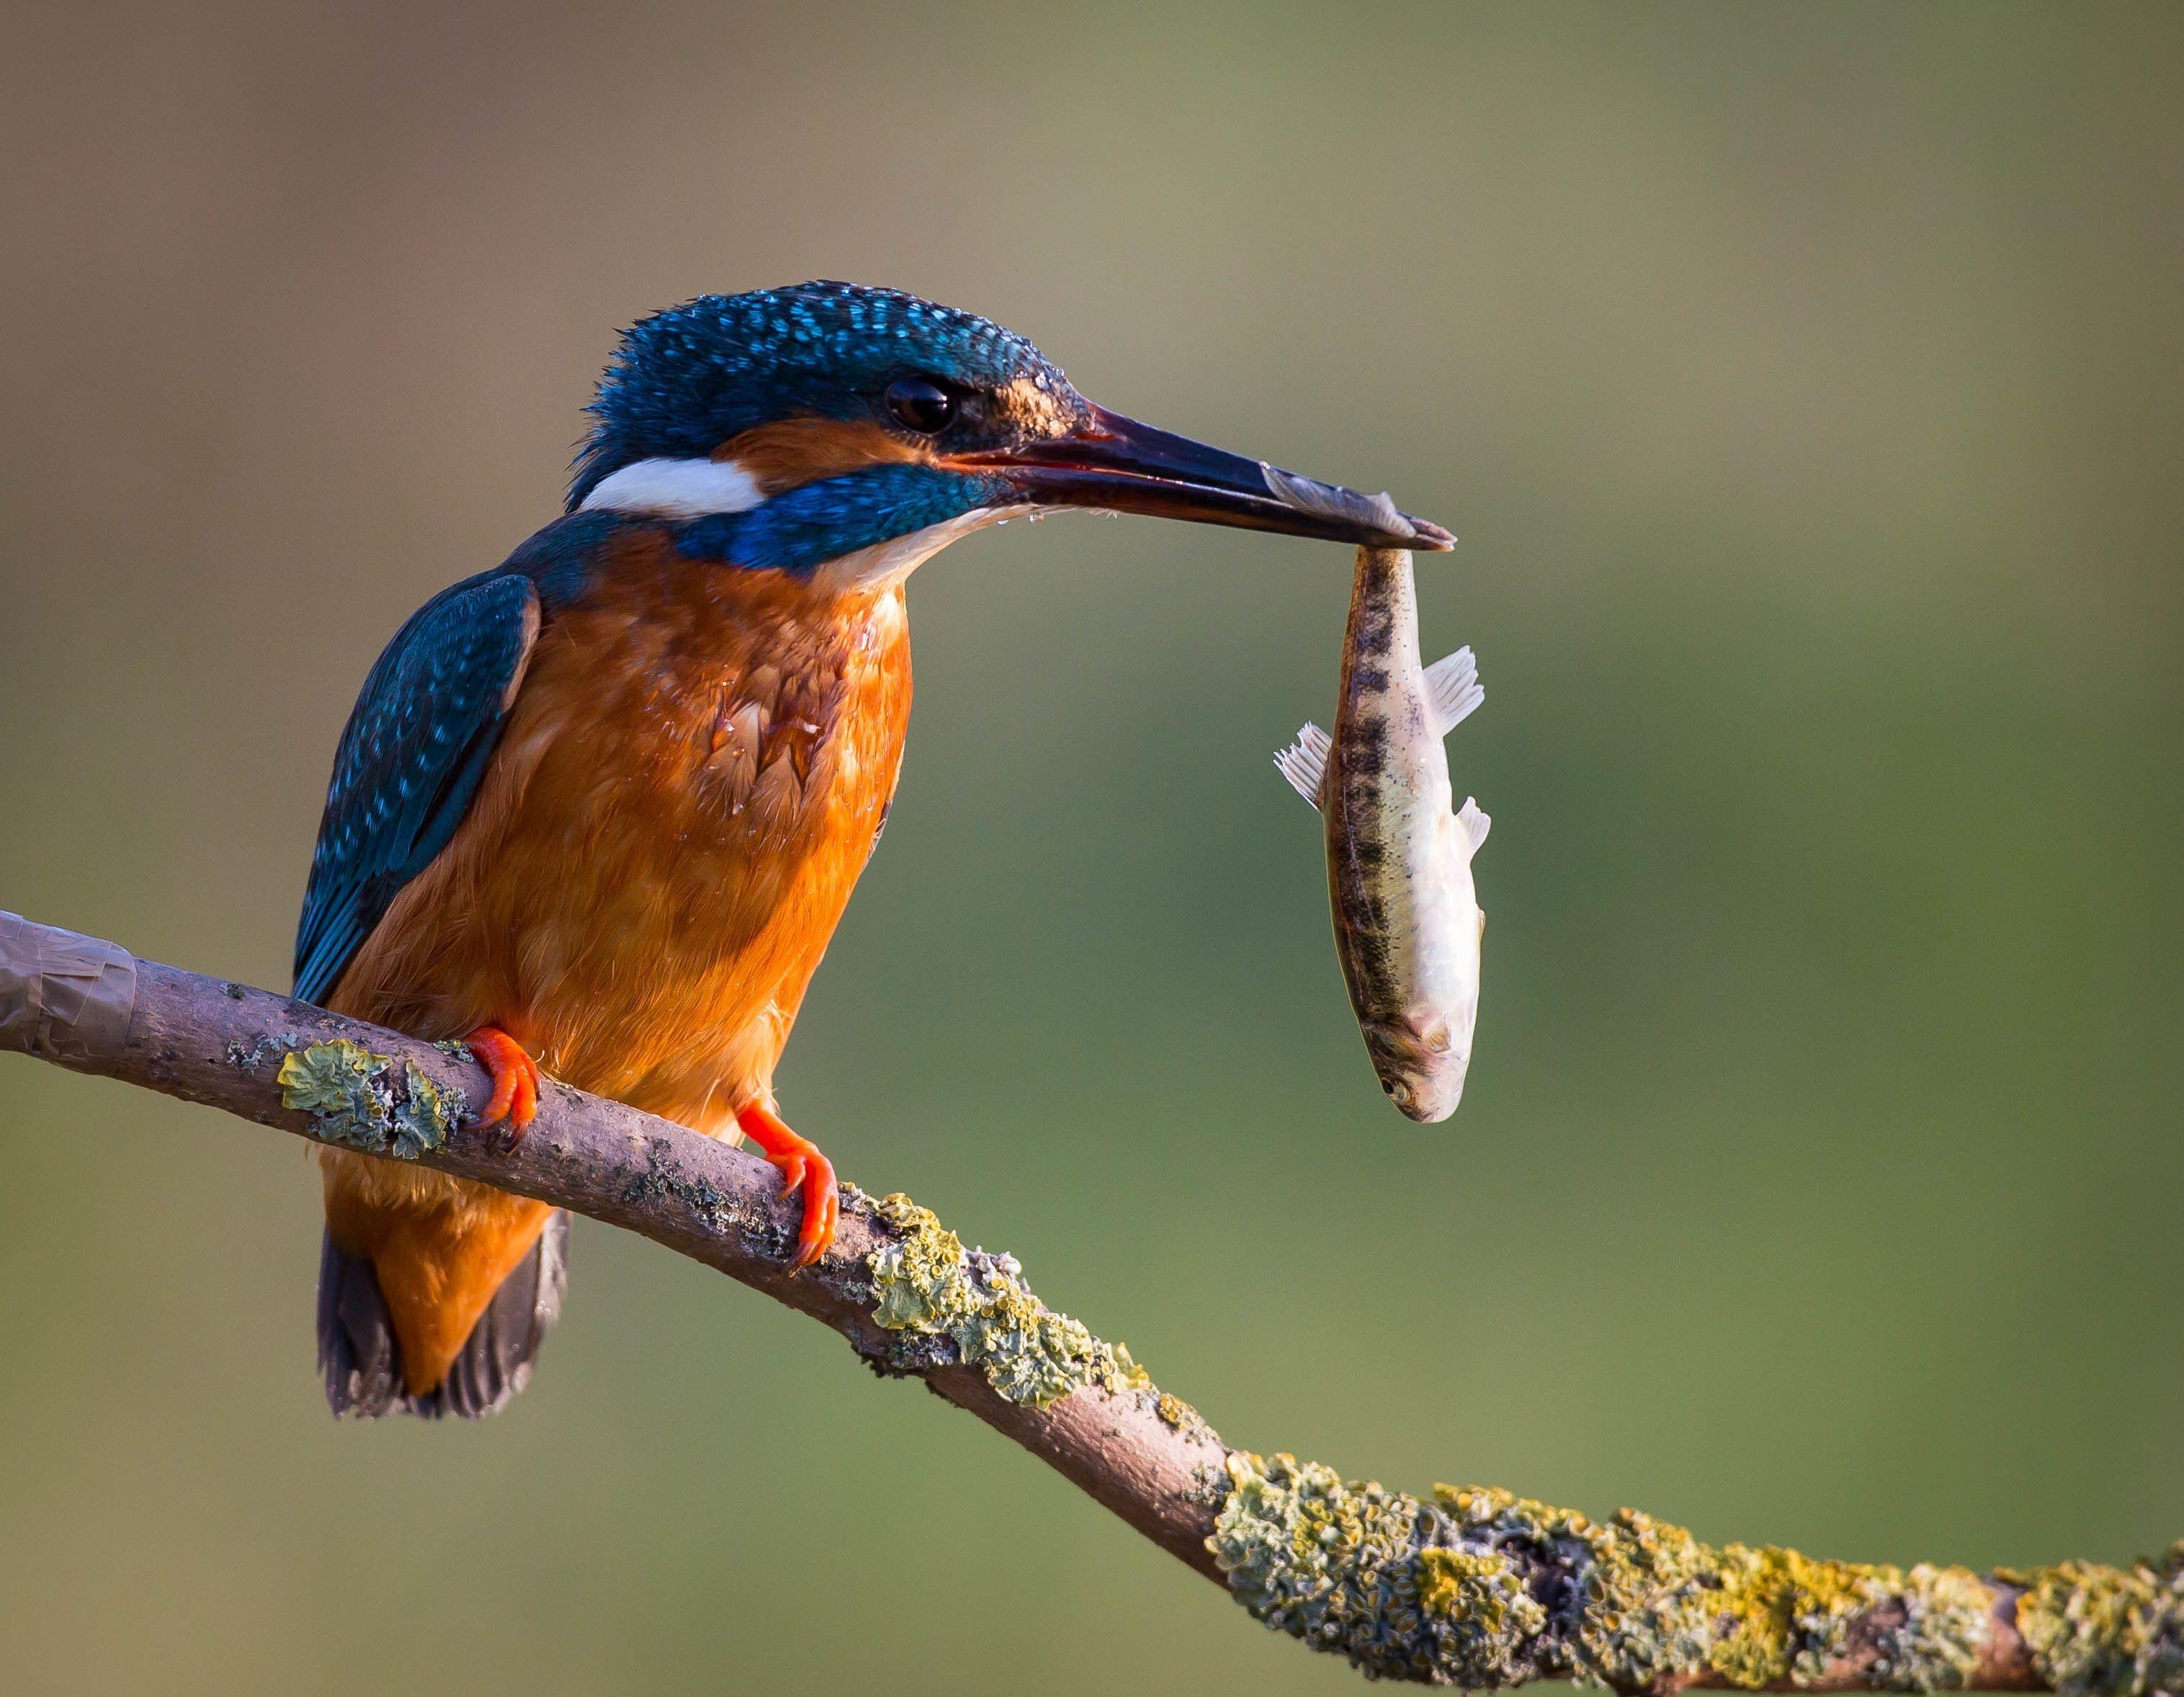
[1117,464]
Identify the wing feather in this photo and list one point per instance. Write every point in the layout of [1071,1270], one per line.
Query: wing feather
[411,757]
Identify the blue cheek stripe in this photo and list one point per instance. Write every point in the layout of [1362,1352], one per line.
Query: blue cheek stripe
[801,529]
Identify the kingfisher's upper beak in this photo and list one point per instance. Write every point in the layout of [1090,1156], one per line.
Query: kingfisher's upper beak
[1118,465]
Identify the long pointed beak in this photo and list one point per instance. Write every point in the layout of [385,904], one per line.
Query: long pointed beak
[1117,464]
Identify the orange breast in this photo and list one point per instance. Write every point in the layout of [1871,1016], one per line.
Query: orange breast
[691,781]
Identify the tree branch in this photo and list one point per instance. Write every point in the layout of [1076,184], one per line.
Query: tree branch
[1472,1587]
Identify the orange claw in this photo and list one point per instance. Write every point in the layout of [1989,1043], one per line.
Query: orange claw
[515,1083]
[800,1163]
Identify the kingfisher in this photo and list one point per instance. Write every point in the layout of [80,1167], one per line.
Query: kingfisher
[596,811]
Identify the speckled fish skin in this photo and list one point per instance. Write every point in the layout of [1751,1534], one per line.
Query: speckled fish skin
[1407,924]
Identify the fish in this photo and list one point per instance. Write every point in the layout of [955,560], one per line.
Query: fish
[1407,923]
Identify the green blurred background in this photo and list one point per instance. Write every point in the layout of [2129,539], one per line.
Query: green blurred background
[1804,383]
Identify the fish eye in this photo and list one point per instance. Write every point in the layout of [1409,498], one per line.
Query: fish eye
[921,404]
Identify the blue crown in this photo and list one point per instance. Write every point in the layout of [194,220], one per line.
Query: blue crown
[686,380]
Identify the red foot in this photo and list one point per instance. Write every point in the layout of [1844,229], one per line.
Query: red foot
[515,1083]
[800,1163]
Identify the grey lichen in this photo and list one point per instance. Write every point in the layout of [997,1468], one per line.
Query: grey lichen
[720,1210]
[1480,1588]
[1947,1624]
[929,1286]
[377,1103]
[2106,1629]
[254,1058]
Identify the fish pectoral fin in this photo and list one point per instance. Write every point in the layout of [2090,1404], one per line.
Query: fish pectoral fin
[1474,823]
[1453,690]
[1304,762]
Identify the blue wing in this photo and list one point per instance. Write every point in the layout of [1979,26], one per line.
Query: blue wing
[416,746]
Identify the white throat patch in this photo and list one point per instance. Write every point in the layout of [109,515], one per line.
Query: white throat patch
[677,489]
[886,564]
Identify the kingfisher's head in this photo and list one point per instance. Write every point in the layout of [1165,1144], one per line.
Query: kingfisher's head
[860,430]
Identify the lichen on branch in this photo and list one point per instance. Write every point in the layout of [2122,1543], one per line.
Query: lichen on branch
[931,1286]
[1480,1588]
[1469,1585]
[2093,1628]
[377,1103]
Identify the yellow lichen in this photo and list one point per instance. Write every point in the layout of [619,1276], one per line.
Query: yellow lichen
[371,1101]
[1658,1604]
[1783,1616]
[1482,1588]
[1482,1596]
[1175,1412]
[929,1285]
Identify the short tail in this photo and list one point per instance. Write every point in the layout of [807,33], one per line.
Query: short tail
[362,1360]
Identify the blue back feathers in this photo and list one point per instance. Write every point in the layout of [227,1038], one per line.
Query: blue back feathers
[411,757]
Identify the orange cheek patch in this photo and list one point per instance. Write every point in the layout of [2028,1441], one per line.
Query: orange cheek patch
[794,452]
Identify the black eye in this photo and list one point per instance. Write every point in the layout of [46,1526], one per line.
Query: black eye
[921,404]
